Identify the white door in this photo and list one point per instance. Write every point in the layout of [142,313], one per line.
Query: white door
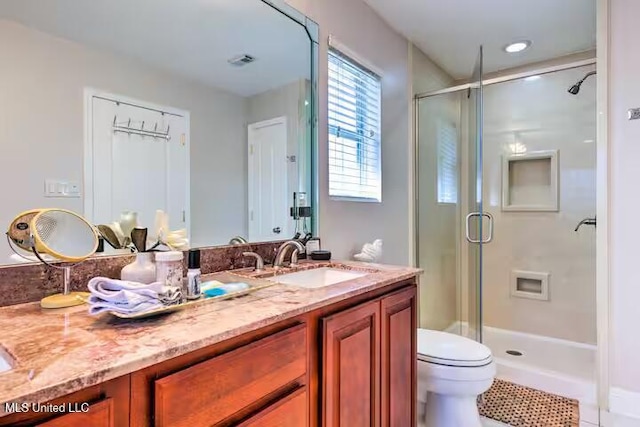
[132,172]
[268,195]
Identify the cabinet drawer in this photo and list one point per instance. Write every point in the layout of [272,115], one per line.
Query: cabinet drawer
[290,411]
[98,415]
[209,392]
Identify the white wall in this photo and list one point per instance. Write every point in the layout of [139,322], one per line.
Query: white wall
[624,86]
[426,75]
[41,127]
[524,116]
[345,226]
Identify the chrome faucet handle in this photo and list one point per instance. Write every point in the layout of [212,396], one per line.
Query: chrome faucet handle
[259,260]
[294,258]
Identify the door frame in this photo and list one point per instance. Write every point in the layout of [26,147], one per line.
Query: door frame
[89,94]
[603,231]
[251,128]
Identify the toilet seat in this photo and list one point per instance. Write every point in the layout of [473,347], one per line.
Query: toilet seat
[442,348]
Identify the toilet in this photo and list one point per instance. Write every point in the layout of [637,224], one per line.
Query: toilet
[452,372]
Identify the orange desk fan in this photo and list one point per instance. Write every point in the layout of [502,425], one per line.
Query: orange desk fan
[54,235]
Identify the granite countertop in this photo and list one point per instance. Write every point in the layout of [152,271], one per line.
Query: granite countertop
[58,352]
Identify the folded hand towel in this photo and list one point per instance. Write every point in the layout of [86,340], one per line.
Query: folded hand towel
[121,290]
[98,306]
[129,297]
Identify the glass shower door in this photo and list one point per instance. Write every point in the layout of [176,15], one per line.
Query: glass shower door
[476,217]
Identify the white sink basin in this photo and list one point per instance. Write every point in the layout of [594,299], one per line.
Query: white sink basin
[318,277]
[6,362]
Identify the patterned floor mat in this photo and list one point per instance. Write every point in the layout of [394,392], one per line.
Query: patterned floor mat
[521,406]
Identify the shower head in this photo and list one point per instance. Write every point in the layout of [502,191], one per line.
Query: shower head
[573,90]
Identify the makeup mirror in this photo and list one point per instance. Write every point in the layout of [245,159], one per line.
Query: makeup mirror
[55,235]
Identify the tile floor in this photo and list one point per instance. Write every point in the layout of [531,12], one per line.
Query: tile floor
[486,422]
[614,421]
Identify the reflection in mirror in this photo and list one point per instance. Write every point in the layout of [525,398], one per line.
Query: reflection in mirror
[198,109]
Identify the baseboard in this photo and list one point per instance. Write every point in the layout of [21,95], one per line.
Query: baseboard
[624,402]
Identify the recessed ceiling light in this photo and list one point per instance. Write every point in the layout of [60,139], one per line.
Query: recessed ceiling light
[518,46]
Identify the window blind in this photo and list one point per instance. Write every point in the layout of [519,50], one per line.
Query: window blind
[354,130]
[447,163]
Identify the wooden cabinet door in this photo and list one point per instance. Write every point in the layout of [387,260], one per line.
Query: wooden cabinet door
[351,367]
[399,360]
[290,411]
[99,415]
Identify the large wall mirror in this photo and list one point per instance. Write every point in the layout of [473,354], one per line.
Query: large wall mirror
[201,109]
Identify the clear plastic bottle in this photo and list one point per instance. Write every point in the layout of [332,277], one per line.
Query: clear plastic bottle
[193,290]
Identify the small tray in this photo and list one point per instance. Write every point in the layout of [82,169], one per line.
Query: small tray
[177,307]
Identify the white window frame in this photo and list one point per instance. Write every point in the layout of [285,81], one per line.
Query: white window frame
[440,165]
[344,53]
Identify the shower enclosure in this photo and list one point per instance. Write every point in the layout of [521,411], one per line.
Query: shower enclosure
[505,171]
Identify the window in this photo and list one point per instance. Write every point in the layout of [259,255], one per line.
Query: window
[354,130]
[447,163]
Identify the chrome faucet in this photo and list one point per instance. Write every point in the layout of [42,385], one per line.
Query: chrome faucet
[238,240]
[259,260]
[282,251]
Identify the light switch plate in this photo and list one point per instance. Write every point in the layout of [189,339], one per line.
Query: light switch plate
[61,188]
[633,113]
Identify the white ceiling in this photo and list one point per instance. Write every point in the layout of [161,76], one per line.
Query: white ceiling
[193,38]
[450,31]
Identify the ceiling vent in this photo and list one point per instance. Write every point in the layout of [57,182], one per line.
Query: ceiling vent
[241,60]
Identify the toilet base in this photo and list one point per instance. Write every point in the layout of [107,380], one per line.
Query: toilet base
[451,411]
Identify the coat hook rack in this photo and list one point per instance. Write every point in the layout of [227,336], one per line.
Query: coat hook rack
[117,127]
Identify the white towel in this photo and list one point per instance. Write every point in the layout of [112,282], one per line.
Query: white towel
[97,307]
[129,297]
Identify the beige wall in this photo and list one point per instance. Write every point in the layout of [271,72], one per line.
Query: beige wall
[346,226]
[436,223]
[624,86]
[427,76]
[524,116]
[41,127]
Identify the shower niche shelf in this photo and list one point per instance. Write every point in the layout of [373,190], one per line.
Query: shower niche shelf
[530,182]
[530,284]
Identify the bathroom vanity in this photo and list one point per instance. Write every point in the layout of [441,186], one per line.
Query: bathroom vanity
[342,354]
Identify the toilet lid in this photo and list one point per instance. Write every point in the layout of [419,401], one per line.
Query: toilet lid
[452,350]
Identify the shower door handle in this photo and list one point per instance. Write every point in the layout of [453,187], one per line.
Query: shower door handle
[480,215]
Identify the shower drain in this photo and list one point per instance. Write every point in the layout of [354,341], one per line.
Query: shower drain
[514,353]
